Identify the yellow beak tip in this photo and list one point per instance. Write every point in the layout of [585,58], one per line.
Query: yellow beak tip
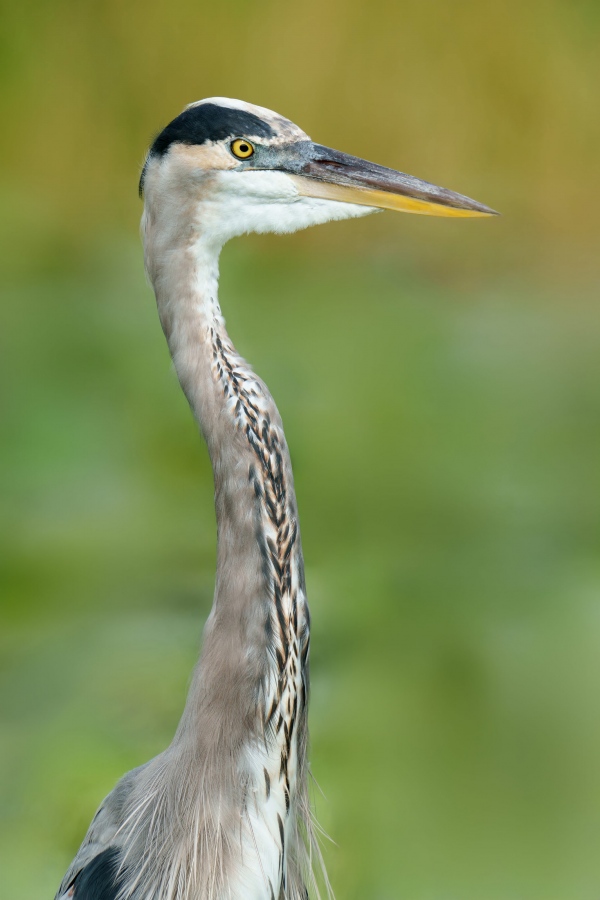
[458,207]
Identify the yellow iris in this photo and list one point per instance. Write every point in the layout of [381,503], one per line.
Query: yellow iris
[241,148]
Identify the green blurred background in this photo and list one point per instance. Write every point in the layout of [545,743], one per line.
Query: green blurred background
[440,385]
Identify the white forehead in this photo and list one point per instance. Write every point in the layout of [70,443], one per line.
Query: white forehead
[230,103]
[285,129]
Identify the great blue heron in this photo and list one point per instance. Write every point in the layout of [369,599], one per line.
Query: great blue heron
[223,813]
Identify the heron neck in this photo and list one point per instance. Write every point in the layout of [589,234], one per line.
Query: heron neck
[259,609]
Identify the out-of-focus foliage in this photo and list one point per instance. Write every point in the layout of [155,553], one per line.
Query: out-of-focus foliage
[440,385]
[484,96]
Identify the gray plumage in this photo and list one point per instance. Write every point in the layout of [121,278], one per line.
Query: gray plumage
[223,813]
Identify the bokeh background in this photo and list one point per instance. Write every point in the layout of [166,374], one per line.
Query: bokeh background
[440,385]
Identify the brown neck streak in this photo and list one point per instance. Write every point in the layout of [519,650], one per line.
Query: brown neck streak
[252,678]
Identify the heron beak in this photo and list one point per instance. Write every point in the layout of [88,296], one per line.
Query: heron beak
[328,174]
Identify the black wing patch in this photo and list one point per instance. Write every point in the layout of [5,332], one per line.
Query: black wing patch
[99,880]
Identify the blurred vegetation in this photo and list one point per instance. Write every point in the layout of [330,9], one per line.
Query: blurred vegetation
[440,385]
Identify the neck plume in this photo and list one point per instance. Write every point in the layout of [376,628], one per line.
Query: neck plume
[243,735]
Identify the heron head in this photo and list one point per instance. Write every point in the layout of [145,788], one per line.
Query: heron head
[245,168]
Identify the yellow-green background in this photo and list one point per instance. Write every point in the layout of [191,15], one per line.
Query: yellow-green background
[440,385]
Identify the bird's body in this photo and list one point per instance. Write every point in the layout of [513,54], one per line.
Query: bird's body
[223,813]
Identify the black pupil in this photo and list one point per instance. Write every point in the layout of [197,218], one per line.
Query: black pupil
[244,148]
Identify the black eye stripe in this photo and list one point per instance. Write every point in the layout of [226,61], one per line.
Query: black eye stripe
[209,122]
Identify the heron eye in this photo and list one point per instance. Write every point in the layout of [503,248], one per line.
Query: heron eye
[241,148]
